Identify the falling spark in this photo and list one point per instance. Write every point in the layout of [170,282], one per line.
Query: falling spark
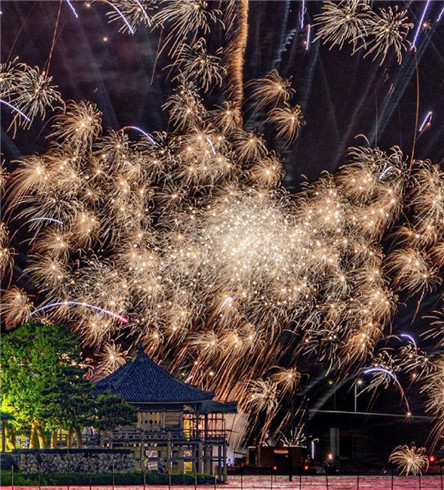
[72,8]
[395,379]
[15,109]
[52,220]
[418,29]
[382,370]
[427,120]
[302,14]
[212,146]
[78,303]
[385,172]
[307,42]
[148,136]
[440,15]
[409,337]
[225,302]
[121,15]
[144,12]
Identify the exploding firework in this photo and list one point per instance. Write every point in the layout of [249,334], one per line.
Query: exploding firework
[410,460]
[27,91]
[354,22]
[343,22]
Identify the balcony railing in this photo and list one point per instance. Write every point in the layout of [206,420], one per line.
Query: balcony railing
[133,435]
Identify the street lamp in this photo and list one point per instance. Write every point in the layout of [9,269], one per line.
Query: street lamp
[358,383]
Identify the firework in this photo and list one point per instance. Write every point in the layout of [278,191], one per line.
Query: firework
[287,378]
[112,358]
[288,120]
[6,252]
[29,92]
[78,126]
[133,13]
[411,270]
[16,307]
[198,66]
[389,29]
[409,460]
[354,22]
[271,90]
[263,396]
[181,17]
[343,22]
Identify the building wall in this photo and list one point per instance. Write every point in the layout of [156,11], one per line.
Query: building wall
[154,421]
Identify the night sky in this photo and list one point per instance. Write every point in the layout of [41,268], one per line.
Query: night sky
[342,96]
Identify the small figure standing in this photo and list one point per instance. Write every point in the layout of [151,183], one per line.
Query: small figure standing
[160,466]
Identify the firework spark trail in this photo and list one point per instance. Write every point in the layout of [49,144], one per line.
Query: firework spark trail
[427,120]
[409,337]
[302,15]
[212,146]
[385,172]
[307,41]
[282,45]
[73,9]
[440,15]
[141,131]
[226,302]
[418,29]
[51,220]
[144,12]
[236,49]
[15,109]
[76,303]
[120,14]
[395,379]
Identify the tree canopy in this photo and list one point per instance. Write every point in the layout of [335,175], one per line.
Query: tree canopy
[43,384]
[111,411]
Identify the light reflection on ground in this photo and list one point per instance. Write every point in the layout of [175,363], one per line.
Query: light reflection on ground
[279,482]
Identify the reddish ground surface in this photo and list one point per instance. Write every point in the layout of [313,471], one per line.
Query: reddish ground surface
[279,482]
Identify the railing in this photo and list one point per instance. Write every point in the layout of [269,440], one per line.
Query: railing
[128,435]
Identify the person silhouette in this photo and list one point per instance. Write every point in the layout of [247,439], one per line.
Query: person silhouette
[160,466]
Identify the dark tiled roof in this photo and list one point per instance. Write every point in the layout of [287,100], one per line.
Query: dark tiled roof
[142,380]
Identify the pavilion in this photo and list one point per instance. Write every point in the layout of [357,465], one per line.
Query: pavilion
[177,423]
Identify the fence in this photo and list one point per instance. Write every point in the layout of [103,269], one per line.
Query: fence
[299,481]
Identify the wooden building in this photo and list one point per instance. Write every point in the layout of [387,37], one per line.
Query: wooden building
[178,423]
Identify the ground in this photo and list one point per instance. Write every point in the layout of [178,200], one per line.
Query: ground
[305,483]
